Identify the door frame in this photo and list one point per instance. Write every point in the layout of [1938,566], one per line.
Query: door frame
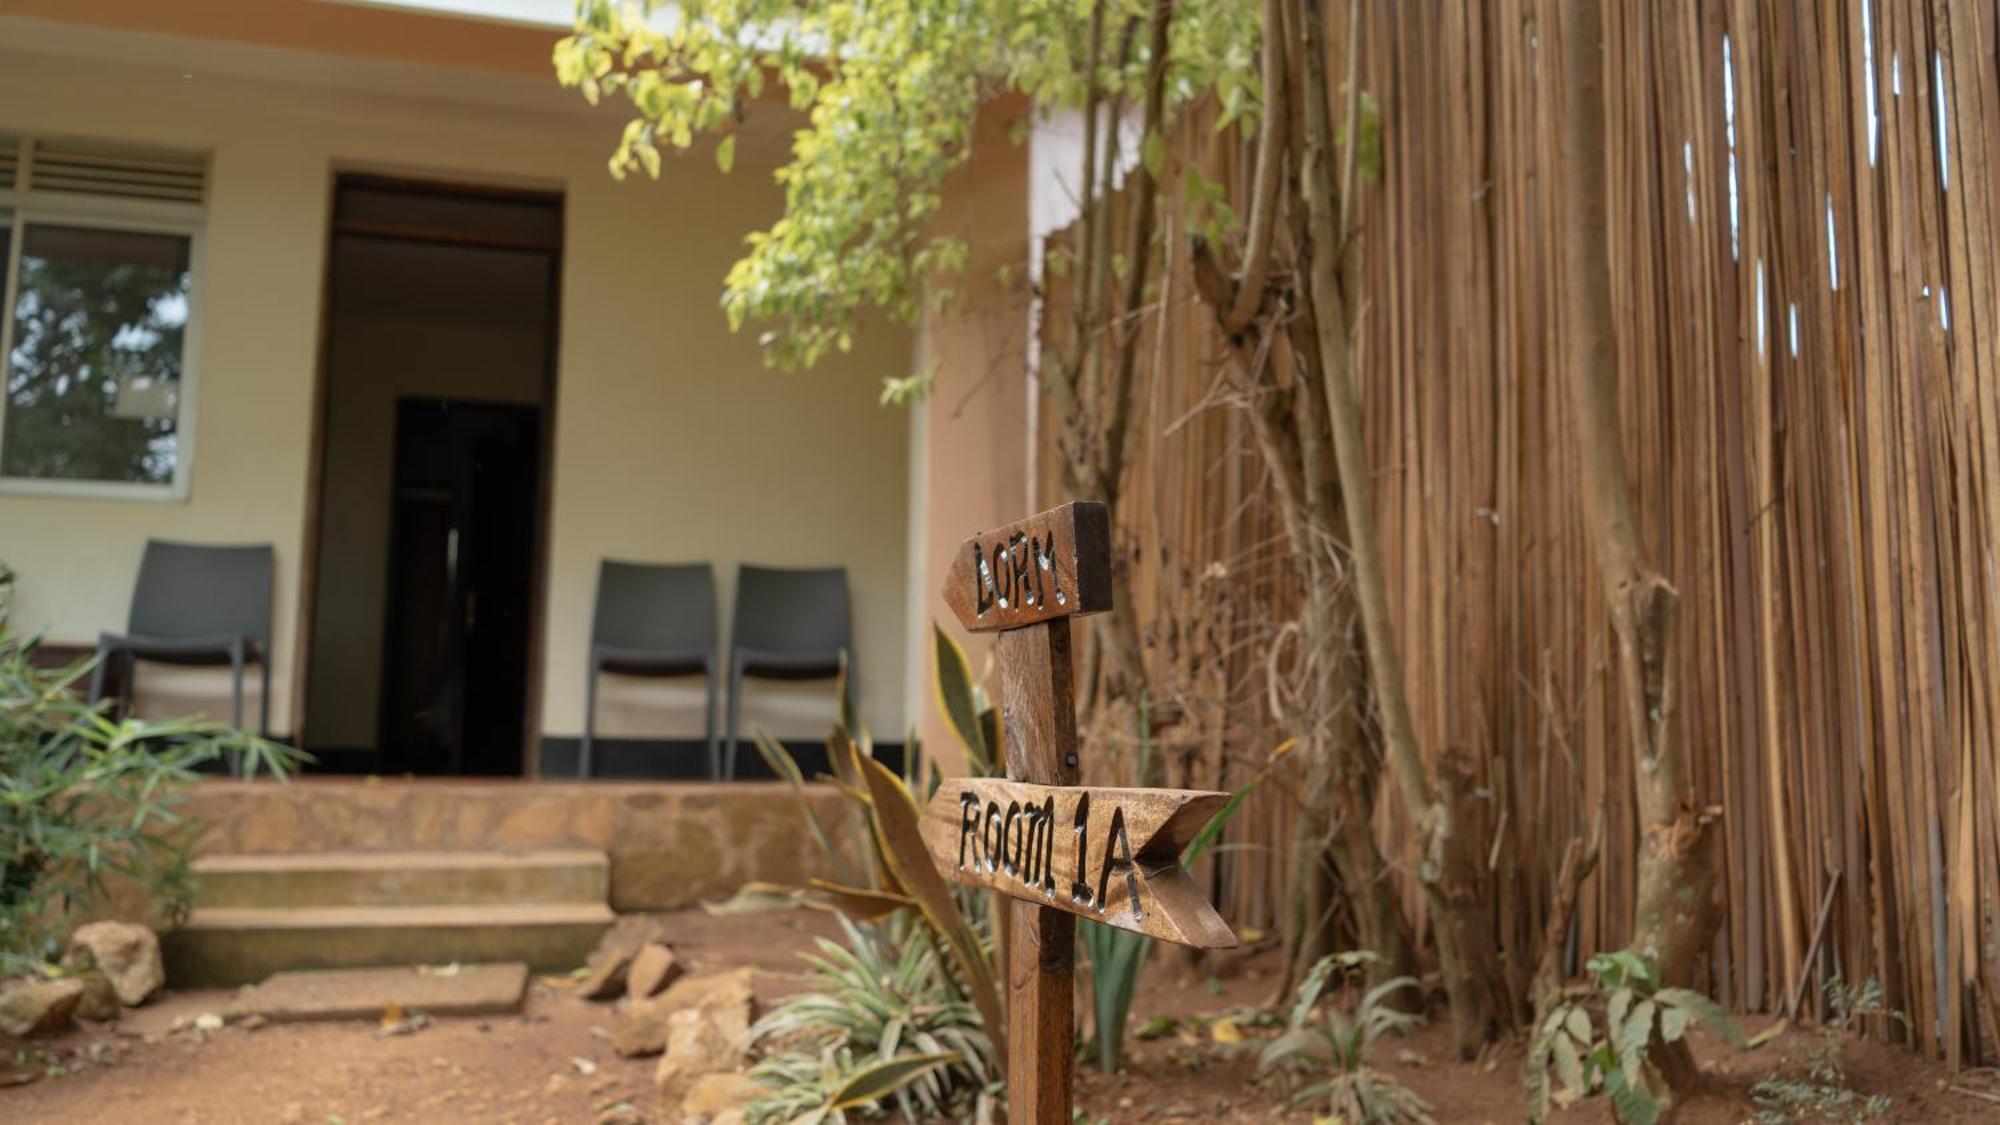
[308,595]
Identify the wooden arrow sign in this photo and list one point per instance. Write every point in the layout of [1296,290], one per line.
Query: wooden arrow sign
[1112,855]
[1045,567]
[1056,849]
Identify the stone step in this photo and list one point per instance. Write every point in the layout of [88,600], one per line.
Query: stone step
[410,878]
[224,946]
[364,994]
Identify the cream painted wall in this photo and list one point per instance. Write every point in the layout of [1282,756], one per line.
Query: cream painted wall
[972,433]
[671,441]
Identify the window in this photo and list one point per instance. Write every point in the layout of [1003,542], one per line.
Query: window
[100,246]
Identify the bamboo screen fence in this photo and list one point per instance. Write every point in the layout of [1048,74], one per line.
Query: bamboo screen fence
[1804,257]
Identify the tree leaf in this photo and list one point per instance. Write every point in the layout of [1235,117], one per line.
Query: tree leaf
[860,904]
[1299,1043]
[876,1081]
[1212,831]
[1634,1103]
[725,153]
[1569,1070]
[1577,1022]
[1707,1011]
[1616,1011]
[1633,1039]
[1310,988]
[1674,1024]
[952,678]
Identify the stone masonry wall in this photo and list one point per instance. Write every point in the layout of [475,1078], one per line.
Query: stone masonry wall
[671,844]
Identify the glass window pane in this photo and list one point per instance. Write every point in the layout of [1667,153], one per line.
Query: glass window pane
[94,376]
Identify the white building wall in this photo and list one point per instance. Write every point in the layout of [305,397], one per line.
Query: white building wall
[672,442]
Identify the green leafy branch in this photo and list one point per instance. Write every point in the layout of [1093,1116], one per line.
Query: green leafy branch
[1614,1054]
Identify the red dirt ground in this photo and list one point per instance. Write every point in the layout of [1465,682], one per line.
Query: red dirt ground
[552,1064]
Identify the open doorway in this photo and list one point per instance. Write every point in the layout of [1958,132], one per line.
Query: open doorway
[428,534]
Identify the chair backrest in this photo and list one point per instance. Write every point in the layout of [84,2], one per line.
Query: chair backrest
[655,607]
[201,590]
[791,611]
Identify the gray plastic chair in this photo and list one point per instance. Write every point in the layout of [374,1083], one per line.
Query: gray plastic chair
[789,625]
[652,620]
[202,605]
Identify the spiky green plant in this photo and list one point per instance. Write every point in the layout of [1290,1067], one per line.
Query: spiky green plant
[1332,1048]
[84,796]
[907,1011]
[884,868]
[883,1019]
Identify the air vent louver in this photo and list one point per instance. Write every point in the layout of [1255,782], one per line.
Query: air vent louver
[86,168]
[10,162]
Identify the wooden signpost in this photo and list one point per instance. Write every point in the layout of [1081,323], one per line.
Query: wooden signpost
[1057,849]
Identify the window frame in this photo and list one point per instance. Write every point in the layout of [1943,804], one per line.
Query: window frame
[22,206]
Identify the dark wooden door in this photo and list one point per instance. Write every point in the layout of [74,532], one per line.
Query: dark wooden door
[461,569]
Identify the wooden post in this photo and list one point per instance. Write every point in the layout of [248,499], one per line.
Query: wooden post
[1038,721]
[1025,582]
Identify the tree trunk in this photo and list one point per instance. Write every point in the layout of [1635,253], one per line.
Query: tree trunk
[1452,861]
[1342,769]
[1676,909]
[1346,773]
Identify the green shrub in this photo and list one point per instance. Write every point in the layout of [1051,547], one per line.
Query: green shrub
[1332,1048]
[83,796]
[1639,1017]
[1823,1094]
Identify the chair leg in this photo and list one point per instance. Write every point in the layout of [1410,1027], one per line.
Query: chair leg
[235,701]
[105,654]
[236,686]
[714,744]
[851,701]
[128,682]
[735,717]
[264,697]
[589,722]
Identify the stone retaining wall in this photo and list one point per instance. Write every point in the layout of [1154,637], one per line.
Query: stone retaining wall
[672,844]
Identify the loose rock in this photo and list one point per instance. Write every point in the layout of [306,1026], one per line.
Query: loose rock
[653,968]
[38,1007]
[724,999]
[99,1002]
[718,1099]
[699,1047]
[612,959]
[127,954]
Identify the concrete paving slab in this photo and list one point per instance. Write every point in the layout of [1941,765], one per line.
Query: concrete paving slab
[343,994]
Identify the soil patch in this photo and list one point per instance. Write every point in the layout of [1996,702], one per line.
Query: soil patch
[552,1063]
